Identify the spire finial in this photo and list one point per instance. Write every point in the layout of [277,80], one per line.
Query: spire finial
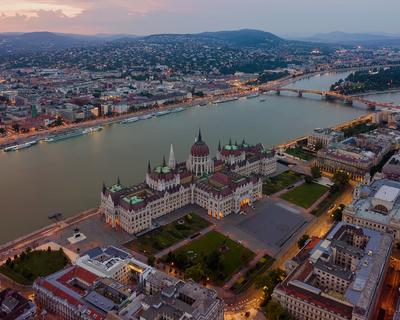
[219,145]
[118,181]
[244,141]
[164,163]
[199,136]
[104,187]
[148,167]
[230,141]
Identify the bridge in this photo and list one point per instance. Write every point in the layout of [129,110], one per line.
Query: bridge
[332,95]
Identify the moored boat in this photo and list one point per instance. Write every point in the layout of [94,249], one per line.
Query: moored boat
[20,146]
[130,120]
[63,136]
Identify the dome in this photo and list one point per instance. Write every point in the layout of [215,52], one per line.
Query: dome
[200,148]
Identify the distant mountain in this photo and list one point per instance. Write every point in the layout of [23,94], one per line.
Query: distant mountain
[343,37]
[238,38]
[13,43]
[244,37]
[38,41]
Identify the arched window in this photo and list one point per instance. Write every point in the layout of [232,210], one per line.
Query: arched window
[381,208]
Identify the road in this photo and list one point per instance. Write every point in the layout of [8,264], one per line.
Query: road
[390,292]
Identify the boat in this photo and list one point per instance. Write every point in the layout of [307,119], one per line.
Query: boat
[130,120]
[20,146]
[226,100]
[55,215]
[263,100]
[146,116]
[92,129]
[63,136]
[162,113]
[203,104]
[180,109]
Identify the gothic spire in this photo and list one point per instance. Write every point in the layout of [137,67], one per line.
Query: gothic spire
[171,160]
[118,181]
[148,167]
[219,145]
[164,163]
[199,136]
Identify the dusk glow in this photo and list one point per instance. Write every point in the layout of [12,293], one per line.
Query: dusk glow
[158,16]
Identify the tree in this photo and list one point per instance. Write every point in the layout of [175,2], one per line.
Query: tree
[274,311]
[316,172]
[151,261]
[308,179]
[337,215]
[195,272]
[340,179]
[213,261]
[16,127]
[58,122]
[269,281]
[303,240]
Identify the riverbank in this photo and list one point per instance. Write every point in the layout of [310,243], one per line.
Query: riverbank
[106,121]
[32,239]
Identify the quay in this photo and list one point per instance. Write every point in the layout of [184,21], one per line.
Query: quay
[32,239]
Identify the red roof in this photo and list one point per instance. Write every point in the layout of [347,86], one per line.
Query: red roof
[221,178]
[77,273]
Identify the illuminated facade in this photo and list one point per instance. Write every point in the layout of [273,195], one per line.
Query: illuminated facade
[221,185]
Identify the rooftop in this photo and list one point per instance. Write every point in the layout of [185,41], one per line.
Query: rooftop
[387,193]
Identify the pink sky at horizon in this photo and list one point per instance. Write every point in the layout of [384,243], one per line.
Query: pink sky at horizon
[159,16]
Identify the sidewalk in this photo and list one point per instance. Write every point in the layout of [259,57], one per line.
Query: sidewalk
[180,244]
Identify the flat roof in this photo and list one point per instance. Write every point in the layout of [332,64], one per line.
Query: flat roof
[387,193]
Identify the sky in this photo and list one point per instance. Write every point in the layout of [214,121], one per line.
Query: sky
[141,17]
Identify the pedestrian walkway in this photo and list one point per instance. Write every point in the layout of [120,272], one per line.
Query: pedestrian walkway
[180,244]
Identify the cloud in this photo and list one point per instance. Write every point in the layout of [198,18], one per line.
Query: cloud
[159,16]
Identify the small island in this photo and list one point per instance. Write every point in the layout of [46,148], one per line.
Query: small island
[368,80]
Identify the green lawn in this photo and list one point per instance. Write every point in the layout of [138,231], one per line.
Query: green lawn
[305,195]
[28,266]
[251,275]
[300,153]
[166,236]
[216,256]
[285,179]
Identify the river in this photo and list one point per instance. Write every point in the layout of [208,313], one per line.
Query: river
[66,176]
